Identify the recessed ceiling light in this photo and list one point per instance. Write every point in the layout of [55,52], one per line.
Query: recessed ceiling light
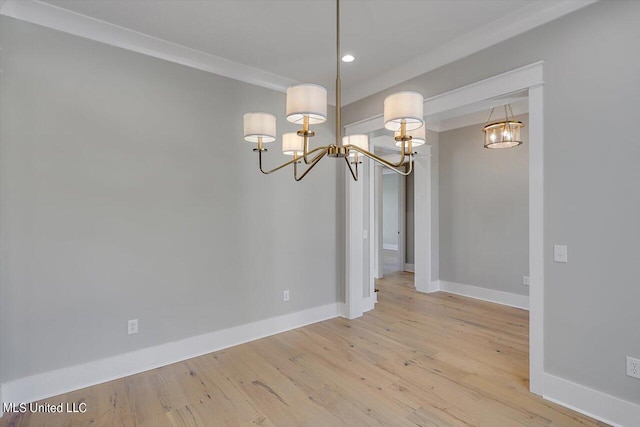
[348,58]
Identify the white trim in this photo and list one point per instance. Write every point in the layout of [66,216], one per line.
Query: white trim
[485,294]
[590,402]
[536,238]
[53,383]
[48,15]
[342,310]
[368,303]
[422,229]
[376,229]
[515,80]
[409,267]
[390,246]
[372,235]
[517,22]
[354,251]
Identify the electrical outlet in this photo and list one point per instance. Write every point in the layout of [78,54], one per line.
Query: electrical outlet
[285,295]
[560,253]
[525,280]
[132,326]
[633,367]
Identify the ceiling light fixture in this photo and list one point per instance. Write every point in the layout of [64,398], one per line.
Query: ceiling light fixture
[306,104]
[502,134]
[348,58]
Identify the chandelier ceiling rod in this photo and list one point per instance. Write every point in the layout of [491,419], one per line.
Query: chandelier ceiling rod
[306,104]
[338,84]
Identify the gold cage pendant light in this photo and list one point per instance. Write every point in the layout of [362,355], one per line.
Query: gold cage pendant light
[503,134]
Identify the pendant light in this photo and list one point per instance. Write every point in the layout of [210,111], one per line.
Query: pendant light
[502,134]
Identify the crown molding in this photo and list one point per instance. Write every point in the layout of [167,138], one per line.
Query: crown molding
[517,22]
[67,21]
[522,20]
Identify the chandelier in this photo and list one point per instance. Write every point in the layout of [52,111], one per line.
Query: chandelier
[306,105]
[502,134]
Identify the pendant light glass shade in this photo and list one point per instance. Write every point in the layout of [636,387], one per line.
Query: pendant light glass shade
[503,134]
[292,144]
[307,99]
[407,107]
[418,137]
[259,125]
[360,141]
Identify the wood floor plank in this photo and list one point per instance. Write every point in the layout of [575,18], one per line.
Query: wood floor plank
[416,360]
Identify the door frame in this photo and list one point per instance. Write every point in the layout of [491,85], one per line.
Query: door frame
[530,78]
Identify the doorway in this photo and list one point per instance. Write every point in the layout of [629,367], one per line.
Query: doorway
[397,222]
[529,79]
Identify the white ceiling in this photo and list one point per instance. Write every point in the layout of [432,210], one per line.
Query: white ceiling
[295,40]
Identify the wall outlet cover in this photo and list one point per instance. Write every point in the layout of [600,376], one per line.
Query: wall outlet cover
[633,367]
[560,253]
[525,280]
[285,295]
[132,326]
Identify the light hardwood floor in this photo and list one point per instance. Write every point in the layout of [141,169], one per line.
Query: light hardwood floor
[389,261]
[416,360]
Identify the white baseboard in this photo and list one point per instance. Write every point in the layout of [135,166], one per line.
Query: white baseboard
[342,309]
[410,268]
[593,403]
[53,383]
[491,295]
[368,303]
[390,246]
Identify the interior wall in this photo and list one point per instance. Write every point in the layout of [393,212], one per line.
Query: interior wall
[592,196]
[409,240]
[484,211]
[390,195]
[127,192]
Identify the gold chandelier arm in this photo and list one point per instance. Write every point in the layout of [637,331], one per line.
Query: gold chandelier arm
[277,168]
[274,169]
[311,166]
[353,174]
[392,166]
[305,152]
[380,159]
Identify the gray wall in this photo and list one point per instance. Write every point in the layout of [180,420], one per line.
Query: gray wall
[409,240]
[592,177]
[484,211]
[126,191]
[390,194]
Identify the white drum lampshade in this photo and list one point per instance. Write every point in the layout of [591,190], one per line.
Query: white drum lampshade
[360,141]
[418,137]
[259,125]
[407,106]
[292,144]
[307,99]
